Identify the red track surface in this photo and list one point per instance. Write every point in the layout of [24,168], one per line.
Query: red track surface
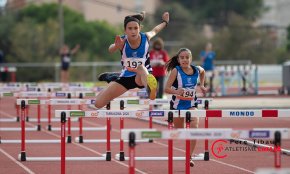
[236,162]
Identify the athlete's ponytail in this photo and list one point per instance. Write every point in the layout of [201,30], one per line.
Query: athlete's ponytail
[172,63]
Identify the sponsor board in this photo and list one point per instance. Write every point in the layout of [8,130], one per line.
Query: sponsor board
[90,94]
[8,94]
[156,113]
[31,102]
[241,113]
[77,114]
[259,134]
[60,94]
[132,102]
[150,134]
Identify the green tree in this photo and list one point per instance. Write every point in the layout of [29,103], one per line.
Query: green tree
[241,41]
[217,12]
[32,35]
[94,37]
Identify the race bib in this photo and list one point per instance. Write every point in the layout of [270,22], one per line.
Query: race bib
[133,62]
[188,93]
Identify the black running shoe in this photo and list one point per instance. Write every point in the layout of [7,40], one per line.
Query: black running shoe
[109,76]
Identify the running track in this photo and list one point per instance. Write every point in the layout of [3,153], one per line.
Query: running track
[236,162]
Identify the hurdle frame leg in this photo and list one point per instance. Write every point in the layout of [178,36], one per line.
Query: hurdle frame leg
[23,112]
[121,154]
[206,122]
[108,153]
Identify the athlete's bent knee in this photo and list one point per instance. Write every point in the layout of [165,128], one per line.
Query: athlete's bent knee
[99,104]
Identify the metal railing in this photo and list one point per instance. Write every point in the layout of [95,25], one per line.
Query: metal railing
[80,71]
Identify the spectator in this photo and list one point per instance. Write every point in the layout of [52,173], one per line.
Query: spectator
[158,58]
[207,58]
[65,54]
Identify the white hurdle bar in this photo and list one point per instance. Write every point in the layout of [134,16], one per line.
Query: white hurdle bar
[231,113]
[194,134]
[202,133]
[273,171]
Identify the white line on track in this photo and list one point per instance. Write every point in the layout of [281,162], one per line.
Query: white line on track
[77,144]
[17,162]
[230,165]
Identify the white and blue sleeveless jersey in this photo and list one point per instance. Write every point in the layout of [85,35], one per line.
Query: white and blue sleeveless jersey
[142,53]
[186,81]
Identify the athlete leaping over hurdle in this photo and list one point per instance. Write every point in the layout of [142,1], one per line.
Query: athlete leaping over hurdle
[182,84]
[136,72]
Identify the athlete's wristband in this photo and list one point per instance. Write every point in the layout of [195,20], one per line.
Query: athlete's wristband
[166,23]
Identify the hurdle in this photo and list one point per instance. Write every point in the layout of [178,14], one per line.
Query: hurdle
[22,156]
[122,102]
[170,142]
[186,134]
[249,113]
[68,102]
[177,113]
[108,114]
[32,101]
[201,101]
[253,144]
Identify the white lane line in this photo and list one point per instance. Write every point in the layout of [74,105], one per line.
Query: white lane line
[17,162]
[230,165]
[82,146]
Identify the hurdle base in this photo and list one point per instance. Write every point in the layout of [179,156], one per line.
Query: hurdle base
[27,119]
[49,128]
[150,141]
[84,128]
[66,158]
[22,156]
[38,127]
[206,156]
[77,140]
[200,157]
[122,156]
[17,118]
[69,139]
[30,141]
[81,139]
[108,156]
